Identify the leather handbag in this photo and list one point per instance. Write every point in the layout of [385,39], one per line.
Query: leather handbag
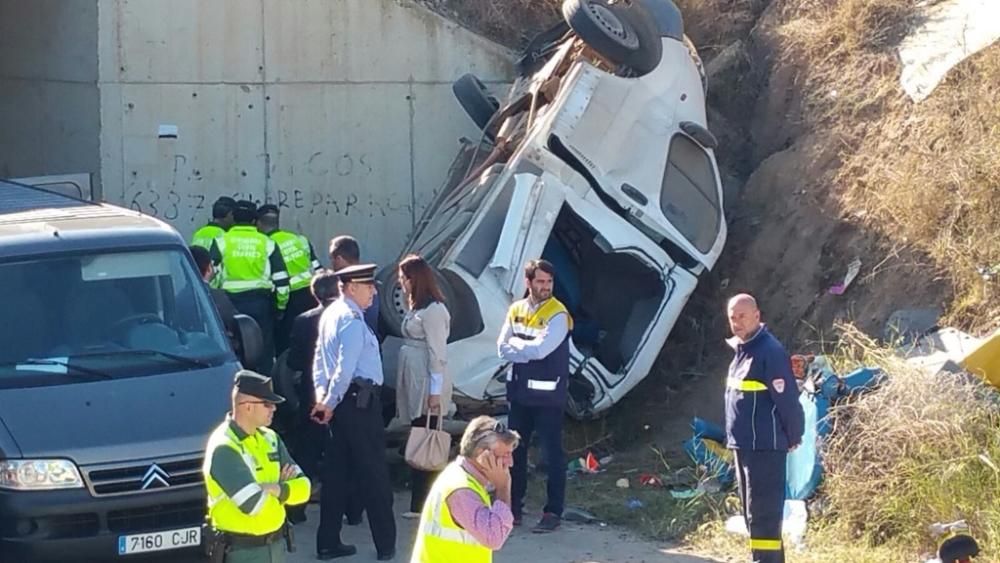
[427,448]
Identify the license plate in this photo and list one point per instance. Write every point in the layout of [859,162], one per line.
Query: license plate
[159,541]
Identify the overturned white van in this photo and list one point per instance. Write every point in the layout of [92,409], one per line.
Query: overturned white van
[600,161]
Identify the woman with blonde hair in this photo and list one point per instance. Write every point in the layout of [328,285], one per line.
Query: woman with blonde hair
[423,386]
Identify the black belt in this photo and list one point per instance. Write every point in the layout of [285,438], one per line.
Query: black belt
[356,386]
[246,540]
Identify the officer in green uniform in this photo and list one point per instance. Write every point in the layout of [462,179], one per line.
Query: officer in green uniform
[222,219]
[250,478]
[301,261]
[253,273]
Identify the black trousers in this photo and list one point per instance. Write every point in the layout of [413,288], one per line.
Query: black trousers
[421,481]
[299,301]
[547,422]
[355,461]
[761,478]
[259,304]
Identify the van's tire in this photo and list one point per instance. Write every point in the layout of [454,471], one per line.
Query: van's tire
[625,35]
[392,301]
[475,100]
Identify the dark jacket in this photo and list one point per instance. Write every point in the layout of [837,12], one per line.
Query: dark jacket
[762,397]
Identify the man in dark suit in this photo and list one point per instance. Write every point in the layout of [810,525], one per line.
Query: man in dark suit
[222,303]
[307,445]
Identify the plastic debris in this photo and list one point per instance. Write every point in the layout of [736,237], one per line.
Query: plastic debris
[852,272]
[949,32]
[793,523]
[633,504]
[586,464]
[576,514]
[650,480]
[622,483]
[684,493]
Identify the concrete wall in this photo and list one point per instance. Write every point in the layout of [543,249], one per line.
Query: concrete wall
[49,100]
[340,111]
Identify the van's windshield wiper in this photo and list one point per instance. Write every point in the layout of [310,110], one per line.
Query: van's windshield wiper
[76,369]
[191,362]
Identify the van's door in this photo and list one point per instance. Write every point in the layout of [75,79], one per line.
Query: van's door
[74,185]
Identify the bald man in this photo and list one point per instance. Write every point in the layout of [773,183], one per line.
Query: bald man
[764,421]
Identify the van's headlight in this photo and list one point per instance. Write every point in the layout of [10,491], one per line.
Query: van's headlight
[39,474]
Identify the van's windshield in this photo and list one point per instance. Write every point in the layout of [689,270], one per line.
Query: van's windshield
[78,318]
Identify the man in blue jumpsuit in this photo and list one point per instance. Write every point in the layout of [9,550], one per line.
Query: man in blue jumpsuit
[764,422]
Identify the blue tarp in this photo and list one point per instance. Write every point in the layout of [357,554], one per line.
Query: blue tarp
[804,470]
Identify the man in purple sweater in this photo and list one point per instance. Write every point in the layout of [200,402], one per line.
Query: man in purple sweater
[467,515]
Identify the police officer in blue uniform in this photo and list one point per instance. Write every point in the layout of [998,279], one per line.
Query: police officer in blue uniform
[764,421]
[347,374]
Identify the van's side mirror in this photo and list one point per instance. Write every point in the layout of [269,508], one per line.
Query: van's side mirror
[251,341]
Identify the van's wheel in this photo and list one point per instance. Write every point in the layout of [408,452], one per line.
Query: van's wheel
[625,35]
[392,301]
[475,100]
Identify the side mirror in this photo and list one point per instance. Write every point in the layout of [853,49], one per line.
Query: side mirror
[251,341]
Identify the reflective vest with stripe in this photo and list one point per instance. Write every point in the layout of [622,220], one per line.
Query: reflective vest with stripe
[246,261]
[204,236]
[297,254]
[439,538]
[540,382]
[261,457]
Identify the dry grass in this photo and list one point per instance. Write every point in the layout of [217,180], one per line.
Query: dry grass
[713,24]
[922,449]
[923,175]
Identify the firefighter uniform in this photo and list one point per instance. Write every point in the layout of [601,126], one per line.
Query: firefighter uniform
[763,421]
[301,264]
[249,521]
[253,273]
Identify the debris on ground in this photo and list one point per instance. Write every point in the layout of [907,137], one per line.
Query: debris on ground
[576,514]
[950,32]
[852,272]
[587,464]
[622,483]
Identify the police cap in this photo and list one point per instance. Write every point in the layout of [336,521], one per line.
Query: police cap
[256,385]
[359,273]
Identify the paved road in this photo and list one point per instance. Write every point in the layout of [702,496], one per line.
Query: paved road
[574,543]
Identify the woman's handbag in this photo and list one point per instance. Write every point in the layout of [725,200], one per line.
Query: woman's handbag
[427,448]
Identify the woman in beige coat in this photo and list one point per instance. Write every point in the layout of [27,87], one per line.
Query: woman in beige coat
[423,386]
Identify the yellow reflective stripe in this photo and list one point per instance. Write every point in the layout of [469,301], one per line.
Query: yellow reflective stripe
[745,384]
[765,545]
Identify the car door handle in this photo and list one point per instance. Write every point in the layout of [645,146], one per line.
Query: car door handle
[634,194]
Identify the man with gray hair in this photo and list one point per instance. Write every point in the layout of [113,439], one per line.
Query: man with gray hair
[460,521]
